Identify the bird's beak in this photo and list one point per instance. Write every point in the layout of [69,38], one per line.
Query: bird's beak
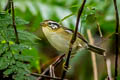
[41,24]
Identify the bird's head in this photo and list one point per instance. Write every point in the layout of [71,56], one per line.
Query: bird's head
[51,25]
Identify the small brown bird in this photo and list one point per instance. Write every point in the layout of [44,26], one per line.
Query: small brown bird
[59,37]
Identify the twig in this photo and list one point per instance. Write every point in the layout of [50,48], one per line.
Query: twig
[14,24]
[109,68]
[51,71]
[93,56]
[73,39]
[117,39]
[57,62]
[45,76]
[99,30]
[8,6]
[66,17]
[106,66]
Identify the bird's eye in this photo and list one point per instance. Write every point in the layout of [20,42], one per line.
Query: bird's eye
[49,23]
[53,25]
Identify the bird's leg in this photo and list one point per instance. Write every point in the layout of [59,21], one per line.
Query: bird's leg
[64,67]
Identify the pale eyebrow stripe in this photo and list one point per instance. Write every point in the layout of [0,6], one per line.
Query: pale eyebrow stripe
[52,22]
[69,31]
[56,24]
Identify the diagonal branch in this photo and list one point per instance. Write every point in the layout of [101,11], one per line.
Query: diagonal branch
[46,76]
[8,6]
[14,24]
[117,39]
[93,56]
[73,39]
[55,64]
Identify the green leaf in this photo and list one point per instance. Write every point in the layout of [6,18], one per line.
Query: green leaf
[27,36]
[23,66]
[91,19]
[23,58]
[12,61]
[8,54]
[24,36]
[19,47]
[6,19]
[4,63]
[8,71]
[19,76]
[118,78]
[30,77]
[20,21]
[3,48]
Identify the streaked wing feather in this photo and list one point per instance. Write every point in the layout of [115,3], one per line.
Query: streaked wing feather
[78,34]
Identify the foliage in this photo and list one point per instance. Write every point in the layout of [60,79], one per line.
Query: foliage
[35,11]
[12,61]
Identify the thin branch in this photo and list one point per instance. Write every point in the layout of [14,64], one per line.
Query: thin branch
[93,56]
[99,30]
[106,66]
[8,6]
[52,71]
[45,76]
[14,24]
[117,39]
[73,39]
[66,17]
[109,68]
[58,60]
[55,64]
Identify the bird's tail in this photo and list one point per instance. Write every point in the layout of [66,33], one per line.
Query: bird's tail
[96,49]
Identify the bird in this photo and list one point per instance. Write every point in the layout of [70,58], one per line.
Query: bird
[59,37]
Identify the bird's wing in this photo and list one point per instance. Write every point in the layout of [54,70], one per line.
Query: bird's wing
[78,34]
[82,38]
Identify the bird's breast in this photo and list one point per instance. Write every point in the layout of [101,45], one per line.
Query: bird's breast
[59,40]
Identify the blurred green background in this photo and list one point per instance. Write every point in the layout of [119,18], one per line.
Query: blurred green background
[95,12]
